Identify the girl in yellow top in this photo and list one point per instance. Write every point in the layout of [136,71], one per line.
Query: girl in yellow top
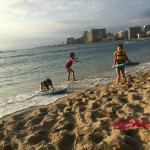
[120,57]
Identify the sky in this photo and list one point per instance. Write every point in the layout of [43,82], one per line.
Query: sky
[34,23]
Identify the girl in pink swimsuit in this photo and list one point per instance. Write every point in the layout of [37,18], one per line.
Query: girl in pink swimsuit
[69,64]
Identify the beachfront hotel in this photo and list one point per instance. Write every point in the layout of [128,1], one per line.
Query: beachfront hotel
[94,35]
[88,36]
[134,31]
[122,35]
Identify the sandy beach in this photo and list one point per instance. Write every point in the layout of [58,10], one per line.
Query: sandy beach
[105,117]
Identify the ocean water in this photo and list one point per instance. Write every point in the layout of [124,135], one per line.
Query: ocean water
[22,70]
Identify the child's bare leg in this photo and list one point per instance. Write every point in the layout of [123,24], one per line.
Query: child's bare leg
[69,76]
[118,75]
[73,74]
[69,73]
[123,75]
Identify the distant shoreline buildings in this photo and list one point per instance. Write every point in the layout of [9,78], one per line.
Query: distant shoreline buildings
[98,35]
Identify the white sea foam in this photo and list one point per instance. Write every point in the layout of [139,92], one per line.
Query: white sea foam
[22,101]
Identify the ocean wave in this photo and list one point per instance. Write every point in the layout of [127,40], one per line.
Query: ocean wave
[25,55]
[129,42]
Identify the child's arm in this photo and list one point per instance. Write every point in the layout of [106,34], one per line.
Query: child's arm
[41,87]
[52,87]
[114,63]
[75,59]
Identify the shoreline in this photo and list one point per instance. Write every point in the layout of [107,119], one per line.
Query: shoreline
[82,119]
[102,77]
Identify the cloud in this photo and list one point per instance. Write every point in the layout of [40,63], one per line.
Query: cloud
[56,20]
[146,13]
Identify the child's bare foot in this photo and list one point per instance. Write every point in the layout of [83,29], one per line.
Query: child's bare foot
[123,81]
[74,79]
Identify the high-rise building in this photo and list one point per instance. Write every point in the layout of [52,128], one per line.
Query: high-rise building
[70,40]
[148,33]
[133,32]
[94,35]
[122,35]
[110,37]
[98,34]
[88,38]
[146,28]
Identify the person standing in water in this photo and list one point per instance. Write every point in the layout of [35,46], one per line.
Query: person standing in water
[120,57]
[69,64]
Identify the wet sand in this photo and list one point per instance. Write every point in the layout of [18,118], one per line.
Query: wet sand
[84,120]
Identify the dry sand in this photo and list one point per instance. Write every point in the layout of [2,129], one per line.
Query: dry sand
[82,120]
